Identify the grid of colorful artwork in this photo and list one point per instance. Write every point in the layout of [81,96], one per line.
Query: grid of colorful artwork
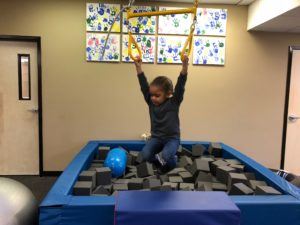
[211,22]
[169,49]
[99,17]
[174,24]
[146,44]
[95,45]
[140,25]
[166,46]
[209,51]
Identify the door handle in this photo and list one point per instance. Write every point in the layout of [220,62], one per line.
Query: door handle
[34,110]
[293,118]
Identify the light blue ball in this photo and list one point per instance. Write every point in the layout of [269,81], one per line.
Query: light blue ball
[116,160]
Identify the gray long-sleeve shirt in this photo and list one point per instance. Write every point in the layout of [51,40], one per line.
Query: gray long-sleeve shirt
[164,118]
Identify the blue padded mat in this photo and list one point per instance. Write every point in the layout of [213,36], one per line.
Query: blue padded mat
[176,208]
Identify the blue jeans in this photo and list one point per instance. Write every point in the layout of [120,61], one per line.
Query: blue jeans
[167,147]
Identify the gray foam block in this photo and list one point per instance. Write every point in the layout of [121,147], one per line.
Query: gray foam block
[236,178]
[203,186]
[200,165]
[204,177]
[163,178]
[219,187]
[130,175]
[186,186]
[233,161]
[176,171]
[186,176]
[96,165]
[184,161]
[121,181]
[175,179]
[135,184]
[214,165]
[151,183]
[139,158]
[186,152]
[266,190]
[250,176]
[120,187]
[223,172]
[240,189]
[174,186]
[198,150]
[254,183]
[103,176]
[82,188]
[239,168]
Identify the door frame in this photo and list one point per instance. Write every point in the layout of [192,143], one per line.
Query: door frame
[286,104]
[37,40]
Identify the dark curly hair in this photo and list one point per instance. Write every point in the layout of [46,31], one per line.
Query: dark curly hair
[164,83]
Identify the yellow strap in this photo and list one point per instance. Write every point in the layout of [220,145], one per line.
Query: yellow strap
[188,43]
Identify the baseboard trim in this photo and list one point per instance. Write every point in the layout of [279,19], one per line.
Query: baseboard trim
[51,173]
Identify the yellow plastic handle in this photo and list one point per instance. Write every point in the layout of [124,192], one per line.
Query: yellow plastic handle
[131,41]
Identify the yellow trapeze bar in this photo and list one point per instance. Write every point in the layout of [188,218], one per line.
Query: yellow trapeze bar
[160,13]
[189,41]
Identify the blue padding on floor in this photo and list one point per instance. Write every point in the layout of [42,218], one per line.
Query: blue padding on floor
[176,208]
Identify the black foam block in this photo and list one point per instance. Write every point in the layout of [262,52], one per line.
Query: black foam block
[100,190]
[145,169]
[102,152]
[200,165]
[103,176]
[82,188]
[88,176]
[215,149]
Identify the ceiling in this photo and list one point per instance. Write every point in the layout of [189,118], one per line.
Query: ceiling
[286,22]
[231,2]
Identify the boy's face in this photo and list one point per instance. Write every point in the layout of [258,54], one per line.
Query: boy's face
[158,96]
